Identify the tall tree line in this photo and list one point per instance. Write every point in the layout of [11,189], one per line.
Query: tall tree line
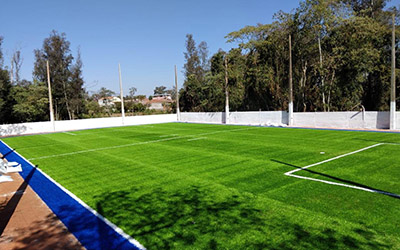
[341,60]
[26,101]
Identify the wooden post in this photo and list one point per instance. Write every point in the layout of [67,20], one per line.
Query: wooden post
[122,95]
[178,114]
[226,92]
[290,118]
[393,78]
[50,97]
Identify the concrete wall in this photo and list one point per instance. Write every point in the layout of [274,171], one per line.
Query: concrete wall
[47,127]
[398,120]
[269,118]
[356,120]
[276,118]
[346,120]
[359,120]
[203,117]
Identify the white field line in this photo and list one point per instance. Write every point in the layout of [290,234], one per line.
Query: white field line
[290,173]
[134,144]
[69,133]
[112,225]
[198,138]
[332,159]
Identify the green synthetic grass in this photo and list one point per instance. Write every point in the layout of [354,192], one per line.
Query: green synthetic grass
[192,186]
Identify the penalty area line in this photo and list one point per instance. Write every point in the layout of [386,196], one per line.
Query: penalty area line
[290,173]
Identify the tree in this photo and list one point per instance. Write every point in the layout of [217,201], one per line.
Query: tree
[161,90]
[203,56]
[76,91]
[1,53]
[6,100]
[65,77]
[132,92]
[192,59]
[32,103]
[16,64]
[172,92]
[104,92]
[196,68]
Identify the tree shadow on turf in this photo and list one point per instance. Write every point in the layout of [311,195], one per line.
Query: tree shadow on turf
[203,218]
[392,195]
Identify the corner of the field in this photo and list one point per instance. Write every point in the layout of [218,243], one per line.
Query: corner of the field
[78,234]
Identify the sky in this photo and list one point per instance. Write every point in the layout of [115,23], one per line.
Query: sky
[146,37]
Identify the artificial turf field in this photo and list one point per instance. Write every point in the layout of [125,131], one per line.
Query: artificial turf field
[197,186]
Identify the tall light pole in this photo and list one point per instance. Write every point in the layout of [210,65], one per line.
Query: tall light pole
[226,92]
[178,115]
[393,79]
[50,97]
[122,95]
[290,84]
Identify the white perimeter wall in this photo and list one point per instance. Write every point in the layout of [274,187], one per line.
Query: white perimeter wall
[355,120]
[276,118]
[398,120]
[345,120]
[47,127]
[358,120]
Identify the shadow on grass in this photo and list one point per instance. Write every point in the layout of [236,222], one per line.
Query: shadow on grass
[380,191]
[203,218]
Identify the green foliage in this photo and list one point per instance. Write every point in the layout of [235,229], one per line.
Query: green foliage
[1,53]
[6,98]
[65,77]
[132,92]
[32,103]
[104,92]
[93,109]
[161,90]
[341,59]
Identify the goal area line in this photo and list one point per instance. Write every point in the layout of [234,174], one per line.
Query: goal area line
[372,190]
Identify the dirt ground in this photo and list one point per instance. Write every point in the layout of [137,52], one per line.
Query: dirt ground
[27,223]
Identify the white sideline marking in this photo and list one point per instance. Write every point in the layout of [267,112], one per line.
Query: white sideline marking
[68,133]
[290,173]
[198,138]
[112,225]
[136,143]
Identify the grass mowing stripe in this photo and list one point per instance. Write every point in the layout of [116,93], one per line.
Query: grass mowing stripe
[131,144]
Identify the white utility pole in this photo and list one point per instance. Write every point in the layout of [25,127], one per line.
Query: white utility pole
[226,92]
[178,113]
[122,94]
[393,79]
[290,84]
[50,98]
